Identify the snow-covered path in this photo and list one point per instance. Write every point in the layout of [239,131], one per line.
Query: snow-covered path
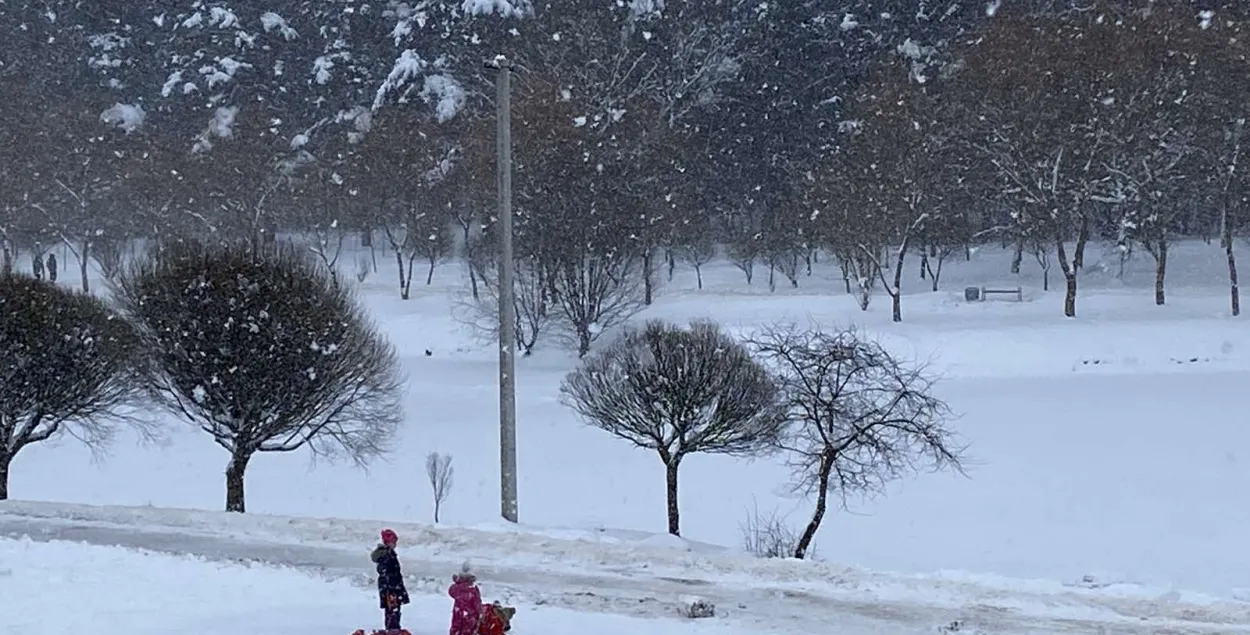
[638,579]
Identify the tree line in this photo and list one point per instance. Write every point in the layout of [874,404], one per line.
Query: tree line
[646,135]
[265,352]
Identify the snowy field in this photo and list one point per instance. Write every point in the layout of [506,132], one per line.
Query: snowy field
[181,594]
[1108,446]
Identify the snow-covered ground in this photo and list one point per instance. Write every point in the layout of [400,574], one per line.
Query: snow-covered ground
[1106,446]
[65,587]
[597,573]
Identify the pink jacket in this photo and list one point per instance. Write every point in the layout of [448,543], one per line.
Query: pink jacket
[467,609]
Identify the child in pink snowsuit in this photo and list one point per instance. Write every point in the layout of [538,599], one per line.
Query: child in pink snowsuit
[467,609]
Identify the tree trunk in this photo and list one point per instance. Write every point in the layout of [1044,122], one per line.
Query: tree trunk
[406,291]
[429,275]
[648,275]
[896,291]
[473,280]
[1069,295]
[1226,220]
[670,489]
[698,274]
[403,288]
[936,274]
[818,515]
[1161,268]
[1234,294]
[583,340]
[6,460]
[234,482]
[82,265]
[1069,275]
[1017,256]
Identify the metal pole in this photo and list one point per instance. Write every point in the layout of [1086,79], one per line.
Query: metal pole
[507,310]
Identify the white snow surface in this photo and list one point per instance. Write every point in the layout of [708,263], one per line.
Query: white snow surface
[185,594]
[617,573]
[1103,493]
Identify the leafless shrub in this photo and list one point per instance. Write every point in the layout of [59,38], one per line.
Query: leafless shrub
[769,536]
[440,473]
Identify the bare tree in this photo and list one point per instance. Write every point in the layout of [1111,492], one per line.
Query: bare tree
[678,391]
[1041,252]
[327,245]
[400,241]
[440,472]
[110,255]
[861,417]
[68,367]
[429,238]
[1042,123]
[264,352]
[743,250]
[593,293]
[696,244]
[480,311]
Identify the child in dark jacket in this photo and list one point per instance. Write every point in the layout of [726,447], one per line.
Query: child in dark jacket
[391,591]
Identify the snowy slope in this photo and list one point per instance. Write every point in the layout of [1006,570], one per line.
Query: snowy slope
[640,578]
[1101,446]
[165,594]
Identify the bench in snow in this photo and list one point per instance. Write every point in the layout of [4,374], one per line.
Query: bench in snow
[980,294]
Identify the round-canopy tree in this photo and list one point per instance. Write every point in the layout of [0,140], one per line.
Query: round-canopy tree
[66,367]
[265,352]
[678,391]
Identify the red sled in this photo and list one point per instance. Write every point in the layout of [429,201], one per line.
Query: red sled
[496,619]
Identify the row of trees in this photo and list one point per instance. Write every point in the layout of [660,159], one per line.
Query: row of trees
[262,350]
[645,134]
[848,416]
[266,352]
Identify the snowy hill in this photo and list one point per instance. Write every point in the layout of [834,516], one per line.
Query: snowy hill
[1067,516]
[651,577]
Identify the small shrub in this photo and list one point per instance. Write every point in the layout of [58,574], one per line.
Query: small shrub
[440,472]
[768,536]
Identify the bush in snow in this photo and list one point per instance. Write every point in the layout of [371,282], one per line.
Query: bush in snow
[678,391]
[263,351]
[768,536]
[698,608]
[66,367]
